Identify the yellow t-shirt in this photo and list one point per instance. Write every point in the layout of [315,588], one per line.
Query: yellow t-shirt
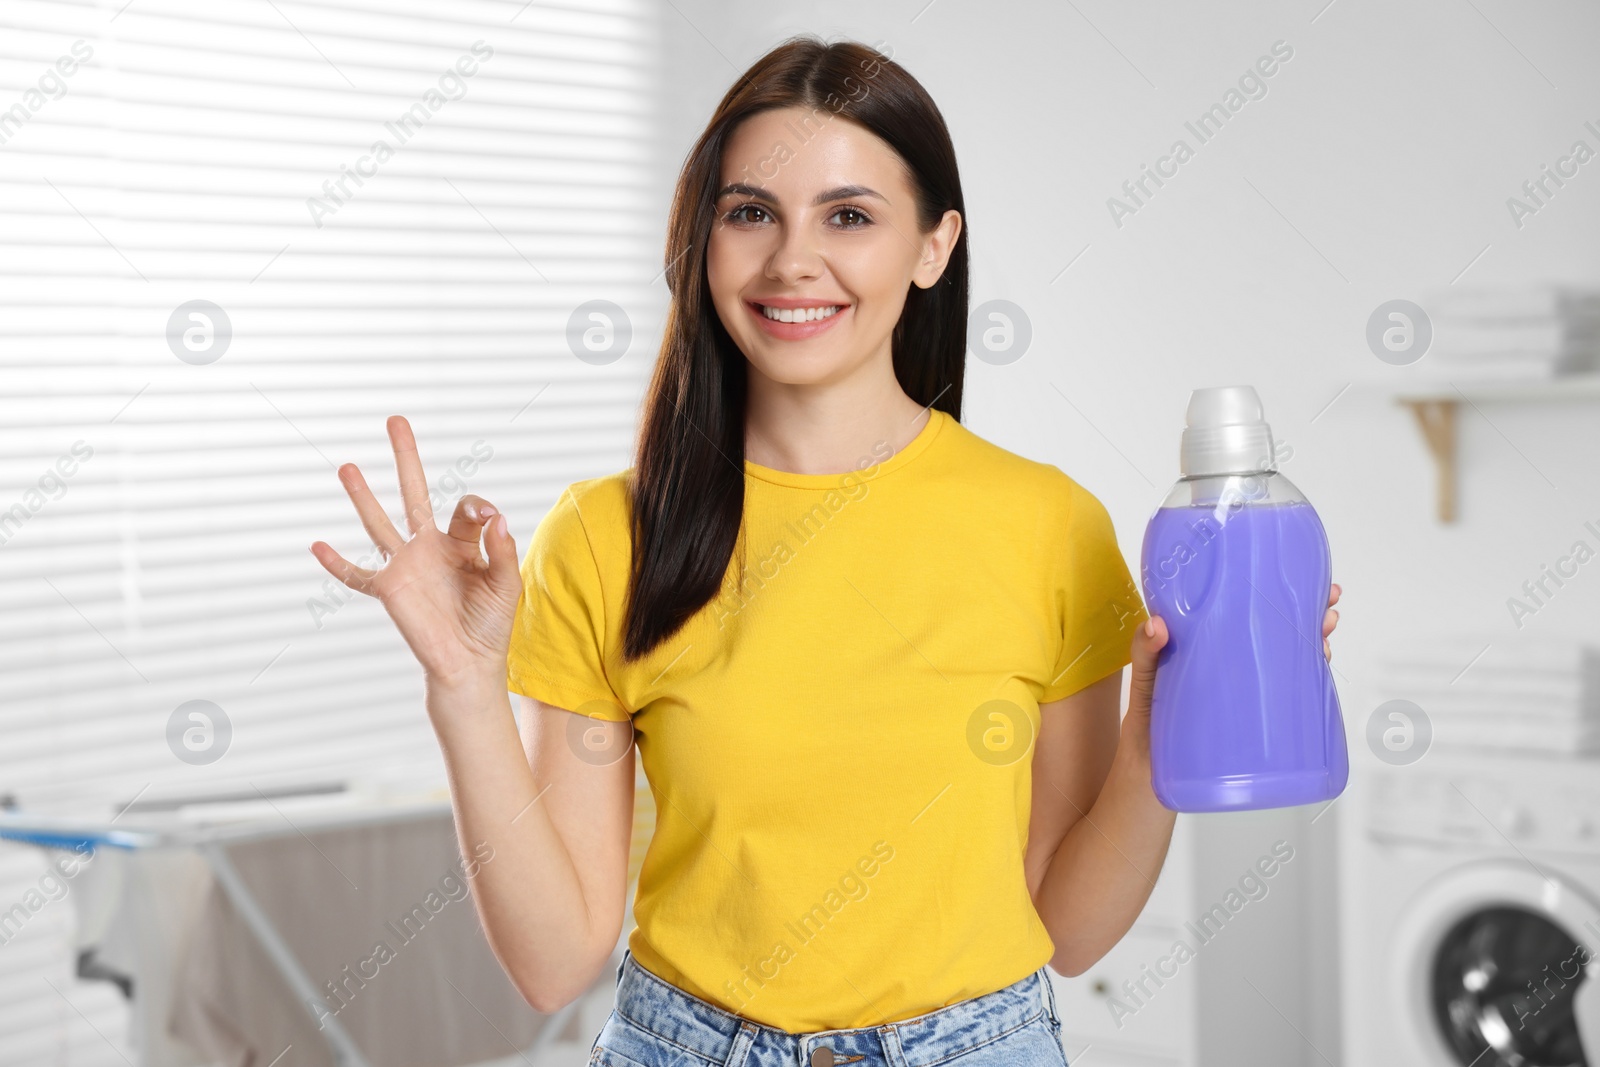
[840,747]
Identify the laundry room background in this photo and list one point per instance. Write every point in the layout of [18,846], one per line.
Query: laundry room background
[1386,218]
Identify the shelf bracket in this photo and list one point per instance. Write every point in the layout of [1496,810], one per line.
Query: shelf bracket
[1437,419]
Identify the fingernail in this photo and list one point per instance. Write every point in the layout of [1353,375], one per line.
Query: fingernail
[1150,627]
[500,524]
[487,511]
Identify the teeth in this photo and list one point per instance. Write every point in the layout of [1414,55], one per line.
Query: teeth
[800,314]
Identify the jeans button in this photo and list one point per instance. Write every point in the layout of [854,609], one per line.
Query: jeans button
[822,1056]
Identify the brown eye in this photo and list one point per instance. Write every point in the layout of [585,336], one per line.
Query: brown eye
[860,216]
[736,215]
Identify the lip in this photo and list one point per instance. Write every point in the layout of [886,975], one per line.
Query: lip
[795,331]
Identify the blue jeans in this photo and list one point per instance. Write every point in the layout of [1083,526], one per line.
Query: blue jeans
[656,1024]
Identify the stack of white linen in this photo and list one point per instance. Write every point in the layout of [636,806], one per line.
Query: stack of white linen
[1534,333]
[1504,692]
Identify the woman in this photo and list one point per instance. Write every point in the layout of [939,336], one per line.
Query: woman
[874,662]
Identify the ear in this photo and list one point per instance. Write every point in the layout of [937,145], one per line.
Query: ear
[936,246]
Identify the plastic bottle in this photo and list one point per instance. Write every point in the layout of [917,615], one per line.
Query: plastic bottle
[1236,563]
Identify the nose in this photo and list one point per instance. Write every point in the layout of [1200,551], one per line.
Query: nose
[796,259]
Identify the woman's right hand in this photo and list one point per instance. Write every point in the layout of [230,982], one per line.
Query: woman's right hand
[453,608]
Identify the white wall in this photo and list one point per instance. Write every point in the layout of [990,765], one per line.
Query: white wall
[1390,142]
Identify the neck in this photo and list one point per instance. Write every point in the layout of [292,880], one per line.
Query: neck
[827,429]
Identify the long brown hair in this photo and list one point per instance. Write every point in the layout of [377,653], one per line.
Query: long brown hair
[687,487]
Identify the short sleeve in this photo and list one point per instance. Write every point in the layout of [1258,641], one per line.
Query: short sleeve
[1095,600]
[558,635]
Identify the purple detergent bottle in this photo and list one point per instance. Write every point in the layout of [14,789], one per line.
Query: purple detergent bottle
[1236,563]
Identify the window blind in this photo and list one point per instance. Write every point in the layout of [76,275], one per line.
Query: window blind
[234,238]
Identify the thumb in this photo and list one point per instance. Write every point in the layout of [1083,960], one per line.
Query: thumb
[504,575]
[1148,640]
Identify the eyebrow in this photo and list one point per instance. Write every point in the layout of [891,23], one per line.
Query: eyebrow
[843,192]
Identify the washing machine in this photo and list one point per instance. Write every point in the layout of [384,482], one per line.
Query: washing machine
[1470,912]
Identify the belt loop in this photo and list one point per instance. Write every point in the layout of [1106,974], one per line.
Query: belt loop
[741,1045]
[894,1054]
[1049,997]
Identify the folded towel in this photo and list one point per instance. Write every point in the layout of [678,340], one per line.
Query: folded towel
[1510,722]
[1447,733]
[1497,654]
[1498,371]
[1523,687]
[1510,710]
[1535,332]
[1463,338]
[1535,302]
[1500,692]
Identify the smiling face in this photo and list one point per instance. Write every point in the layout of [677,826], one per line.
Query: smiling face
[815,247]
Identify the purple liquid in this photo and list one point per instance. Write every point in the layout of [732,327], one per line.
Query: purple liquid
[1244,713]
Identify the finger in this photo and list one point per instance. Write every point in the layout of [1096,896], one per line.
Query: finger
[1327,650]
[1330,619]
[356,578]
[467,521]
[1148,640]
[413,484]
[502,549]
[373,518]
[1334,594]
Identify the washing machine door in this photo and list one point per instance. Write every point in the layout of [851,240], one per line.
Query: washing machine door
[1497,964]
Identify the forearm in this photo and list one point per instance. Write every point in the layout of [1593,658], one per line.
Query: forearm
[1106,866]
[528,895]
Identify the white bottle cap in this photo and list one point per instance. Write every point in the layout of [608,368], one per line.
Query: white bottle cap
[1226,433]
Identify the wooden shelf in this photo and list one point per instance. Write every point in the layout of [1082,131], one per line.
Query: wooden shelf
[1437,411]
[1571,387]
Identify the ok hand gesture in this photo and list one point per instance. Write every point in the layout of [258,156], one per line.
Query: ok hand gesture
[453,608]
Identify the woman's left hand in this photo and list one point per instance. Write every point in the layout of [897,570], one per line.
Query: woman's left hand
[1148,640]
[1330,619]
